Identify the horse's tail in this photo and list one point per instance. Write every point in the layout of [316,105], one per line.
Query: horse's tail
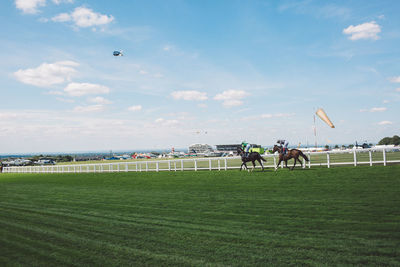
[262,158]
[303,155]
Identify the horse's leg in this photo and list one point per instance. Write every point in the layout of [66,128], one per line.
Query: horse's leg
[301,163]
[245,165]
[294,163]
[277,165]
[254,165]
[262,166]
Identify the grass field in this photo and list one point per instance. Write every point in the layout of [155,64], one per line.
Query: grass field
[319,216]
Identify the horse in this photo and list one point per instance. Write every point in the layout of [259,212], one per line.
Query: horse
[252,156]
[291,154]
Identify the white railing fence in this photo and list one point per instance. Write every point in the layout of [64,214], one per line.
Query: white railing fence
[328,158]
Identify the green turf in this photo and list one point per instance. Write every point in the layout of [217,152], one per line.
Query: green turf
[317,217]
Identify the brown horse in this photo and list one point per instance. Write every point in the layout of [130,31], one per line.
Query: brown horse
[253,156]
[291,154]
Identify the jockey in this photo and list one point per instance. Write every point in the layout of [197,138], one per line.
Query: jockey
[246,148]
[283,144]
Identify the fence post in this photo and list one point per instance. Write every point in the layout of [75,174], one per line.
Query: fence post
[274,161]
[355,157]
[219,164]
[328,159]
[181,164]
[169,165]
[370,157]
[157,169]
[209,163]
[195,164]
[384,157]
[147,166]
[226,164]
[175,165]
[309,159]
[126,167]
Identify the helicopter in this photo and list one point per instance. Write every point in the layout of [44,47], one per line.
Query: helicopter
[117,53]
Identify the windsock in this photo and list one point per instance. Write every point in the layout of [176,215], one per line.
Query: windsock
[321,113]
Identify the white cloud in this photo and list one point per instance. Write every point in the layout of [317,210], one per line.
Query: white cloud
[165,122]
[395,79]
[202,105]
[65,100]
[99,100]
[135,108]
[55,93]
[143,72]
[158,75]
[84,17]
[168,48]
[381,109]
[8,115]
[32,6]
[80,89]
[231,98]
[87,109]
[29,6]
[378,109]
[63,17]
[367,30]
[57,2]
[232,103]
[189,95]
[385,123]
[47,74]
[277,115]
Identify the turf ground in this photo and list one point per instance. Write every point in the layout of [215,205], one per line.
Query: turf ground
[317,217]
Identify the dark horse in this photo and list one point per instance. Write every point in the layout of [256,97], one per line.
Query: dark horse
[291,154]
[252,156]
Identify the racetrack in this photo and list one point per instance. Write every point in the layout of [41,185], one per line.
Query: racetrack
[320,216]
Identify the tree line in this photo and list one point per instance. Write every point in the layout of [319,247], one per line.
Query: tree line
[395,140]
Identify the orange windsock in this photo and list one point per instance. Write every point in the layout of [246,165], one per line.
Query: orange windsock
[321,113]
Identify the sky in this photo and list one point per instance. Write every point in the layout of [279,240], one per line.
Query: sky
[215,72]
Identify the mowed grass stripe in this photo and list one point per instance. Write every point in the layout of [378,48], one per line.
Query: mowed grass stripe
[229,240]
[115,254]
[316,217]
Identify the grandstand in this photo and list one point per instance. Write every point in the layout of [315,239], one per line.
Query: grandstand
[200,148]
[227,148]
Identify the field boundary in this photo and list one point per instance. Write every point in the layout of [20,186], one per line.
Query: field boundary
[327,159]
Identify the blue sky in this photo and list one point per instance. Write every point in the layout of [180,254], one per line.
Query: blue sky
[213,72]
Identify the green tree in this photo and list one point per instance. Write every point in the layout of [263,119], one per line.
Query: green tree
[395,140]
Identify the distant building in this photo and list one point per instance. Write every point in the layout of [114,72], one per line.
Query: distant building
[232,147]
[200,148]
